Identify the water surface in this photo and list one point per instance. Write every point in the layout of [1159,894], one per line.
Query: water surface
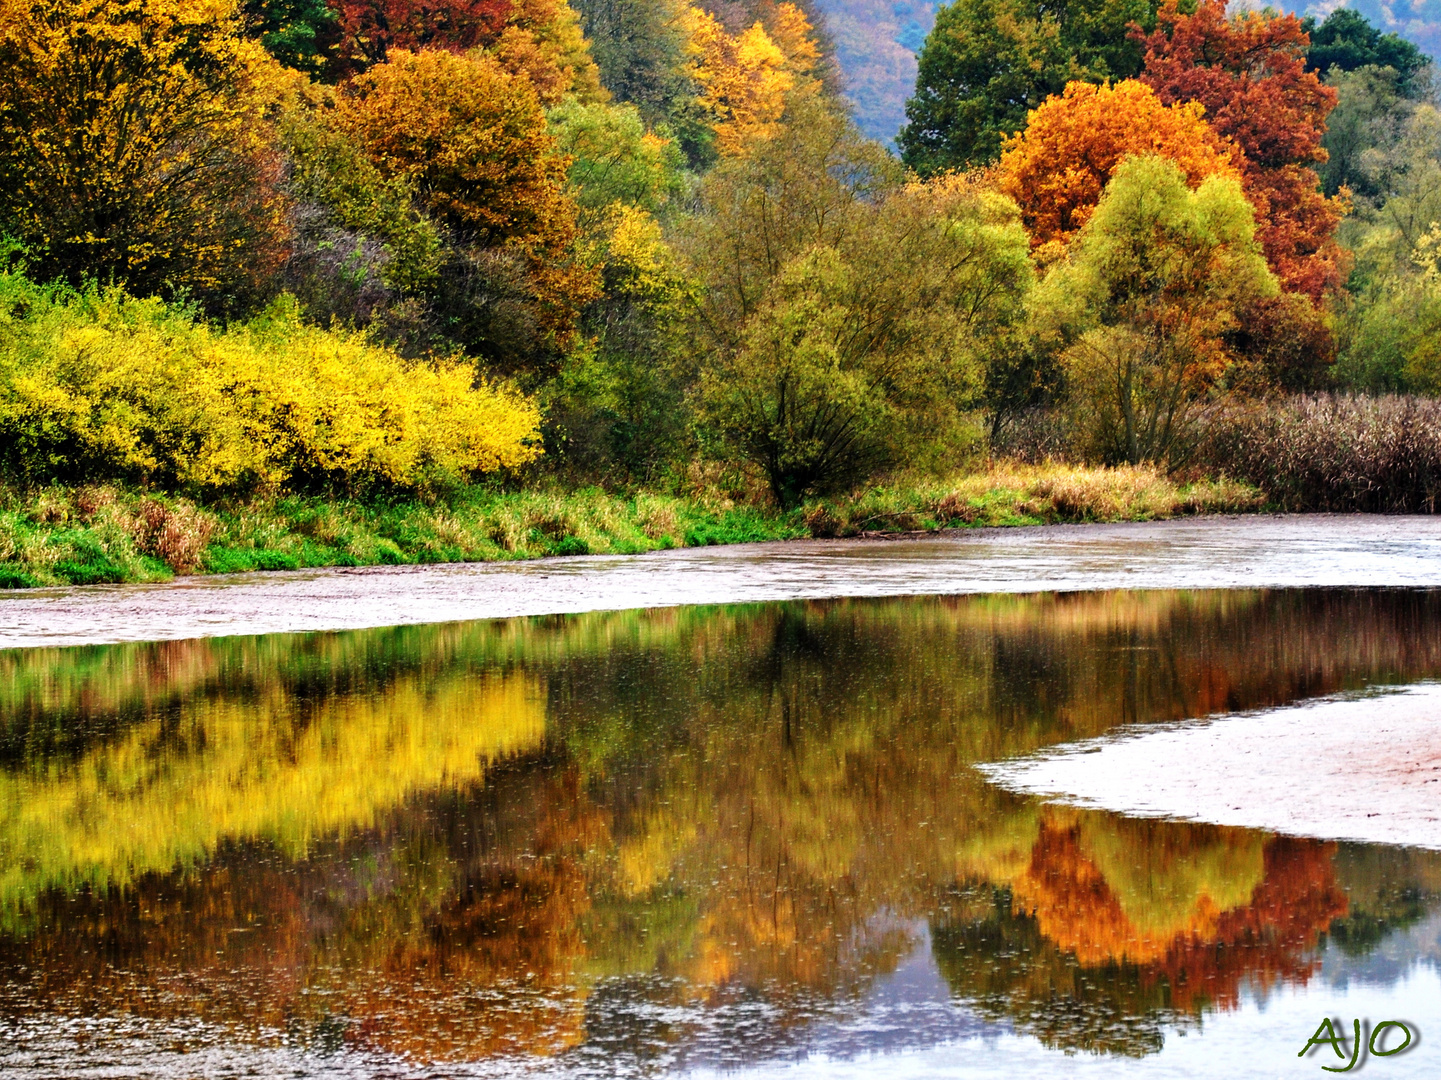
[699,840]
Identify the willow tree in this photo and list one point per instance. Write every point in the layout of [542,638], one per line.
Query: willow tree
[1149,293]
[846,311]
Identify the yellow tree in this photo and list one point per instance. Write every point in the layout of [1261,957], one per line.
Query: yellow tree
[543,40]
[747,80]
[134,143]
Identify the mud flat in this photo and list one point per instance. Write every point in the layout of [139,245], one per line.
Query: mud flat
[1204,553]
[1363,767]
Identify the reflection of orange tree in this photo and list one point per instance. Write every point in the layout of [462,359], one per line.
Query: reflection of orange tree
[1088,961]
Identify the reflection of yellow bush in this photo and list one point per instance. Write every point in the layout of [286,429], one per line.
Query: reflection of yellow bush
[280,768]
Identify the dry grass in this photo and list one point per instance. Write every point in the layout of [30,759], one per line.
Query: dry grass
[1335,452]
[1014,493]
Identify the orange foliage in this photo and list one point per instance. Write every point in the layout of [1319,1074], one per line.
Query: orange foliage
[1209,954]
[472,138]
[1058,166]
[1250,74]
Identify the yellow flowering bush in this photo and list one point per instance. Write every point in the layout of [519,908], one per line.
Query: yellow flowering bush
[100,385]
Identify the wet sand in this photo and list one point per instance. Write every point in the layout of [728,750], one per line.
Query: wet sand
[1364,767]
[1208,553]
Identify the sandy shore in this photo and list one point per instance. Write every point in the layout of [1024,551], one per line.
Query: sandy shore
[1206,553]
[1364,767]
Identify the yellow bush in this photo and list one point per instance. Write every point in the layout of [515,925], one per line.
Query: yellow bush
[101,385]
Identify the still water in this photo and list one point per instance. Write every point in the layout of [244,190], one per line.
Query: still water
[745,840]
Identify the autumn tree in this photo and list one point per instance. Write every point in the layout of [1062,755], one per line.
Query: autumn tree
[1148,293]
[1058,166]
[1249,72]
[472,140]
[987,62]
[747,80]
[543,40]
[135,145]
[371,28]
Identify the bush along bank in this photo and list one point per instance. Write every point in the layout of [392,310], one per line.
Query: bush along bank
[103,534]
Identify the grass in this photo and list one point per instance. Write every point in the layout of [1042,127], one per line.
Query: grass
[95,535]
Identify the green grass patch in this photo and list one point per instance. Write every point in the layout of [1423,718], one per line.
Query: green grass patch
[100,535]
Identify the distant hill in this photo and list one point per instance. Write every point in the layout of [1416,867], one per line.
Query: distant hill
[876,42]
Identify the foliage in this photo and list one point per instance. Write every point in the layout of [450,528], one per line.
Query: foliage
[847,312]
[1346,41]
[1058,166]
[329,169]
[1150,290]
[371,28]
[1370,115]
[747,81]
[1250,74]
[988,62]
[472,139]
[136,146]
[97,385]
[1338,453]
[613,158]
[542,40]
[301,34]
[1386,332]
[619,407]
[639,50]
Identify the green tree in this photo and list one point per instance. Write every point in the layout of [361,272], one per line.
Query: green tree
[1346,41]
[1149,292]
[986,63]
[1394,313]
[613,158]
[846,314]
[299,33]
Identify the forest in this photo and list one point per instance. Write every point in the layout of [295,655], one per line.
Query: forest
[296,282]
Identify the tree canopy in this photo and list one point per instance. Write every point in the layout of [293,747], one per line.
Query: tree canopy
[1249,72]
[1057,168]
[988,62]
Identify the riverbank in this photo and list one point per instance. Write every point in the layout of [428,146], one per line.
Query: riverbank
[108,535]
[1248,552]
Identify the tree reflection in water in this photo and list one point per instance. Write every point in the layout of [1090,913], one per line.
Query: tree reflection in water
[477,840]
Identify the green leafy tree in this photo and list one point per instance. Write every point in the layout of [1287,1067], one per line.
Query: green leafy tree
[986,63]
[845,313]
[1149,293]
[301,34]
[1346,41]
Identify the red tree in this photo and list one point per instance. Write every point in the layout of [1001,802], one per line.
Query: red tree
[371,28]
[1250,74]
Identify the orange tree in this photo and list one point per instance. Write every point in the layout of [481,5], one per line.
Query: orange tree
[472,140]
[1249,72]
[134,144]
[1058,166]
